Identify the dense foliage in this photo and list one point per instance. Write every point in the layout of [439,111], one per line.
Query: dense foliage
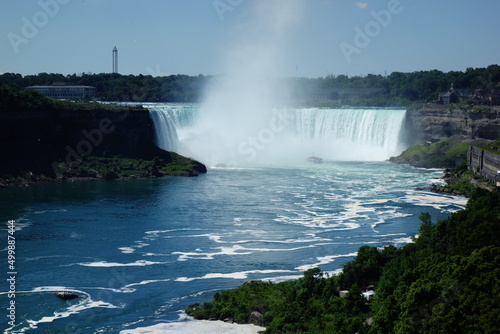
[117,87]
[13,100]
[447,281]
[397,88]
[108,168]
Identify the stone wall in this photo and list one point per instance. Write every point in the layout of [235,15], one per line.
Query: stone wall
[484,163]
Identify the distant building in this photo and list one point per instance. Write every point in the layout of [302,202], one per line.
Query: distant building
[66,91]
[479,97]
[453,96]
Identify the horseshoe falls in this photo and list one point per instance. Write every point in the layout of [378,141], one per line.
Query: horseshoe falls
[167,119]
[285,135]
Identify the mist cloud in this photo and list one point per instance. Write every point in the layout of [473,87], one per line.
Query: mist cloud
[238,105]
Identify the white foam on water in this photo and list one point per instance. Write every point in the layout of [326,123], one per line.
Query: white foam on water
[127,288]
[324,260]
[235,275]
[278,279]
[105,264]
[404,241]
[82,304]
[234,250]
[327,221]
[378,222]
[196,327]
[279,249]
[39,212]
[127,250]
[437,201]
[155,234]
[388,235]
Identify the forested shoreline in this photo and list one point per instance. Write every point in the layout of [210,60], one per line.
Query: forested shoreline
[446,281]
[395,89]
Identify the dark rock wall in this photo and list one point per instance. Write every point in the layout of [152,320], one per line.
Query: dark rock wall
[33,140]
[433,124]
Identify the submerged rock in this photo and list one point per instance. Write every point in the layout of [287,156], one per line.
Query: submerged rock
[66,295]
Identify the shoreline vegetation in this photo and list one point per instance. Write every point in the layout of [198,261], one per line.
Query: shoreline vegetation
[97,168]
[451,155]
[446,281]
[395,89]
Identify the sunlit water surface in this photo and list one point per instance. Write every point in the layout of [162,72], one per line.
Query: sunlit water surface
[138,252]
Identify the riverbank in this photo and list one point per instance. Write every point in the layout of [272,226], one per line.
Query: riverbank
[448,262]
[450,154]
[94,168]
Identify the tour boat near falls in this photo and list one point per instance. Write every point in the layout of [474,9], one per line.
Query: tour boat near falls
[314,160]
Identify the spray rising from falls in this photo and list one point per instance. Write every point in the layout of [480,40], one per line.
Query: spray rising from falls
[237,123]
[286,135]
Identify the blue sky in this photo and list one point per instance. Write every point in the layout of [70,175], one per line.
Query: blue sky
[318,37]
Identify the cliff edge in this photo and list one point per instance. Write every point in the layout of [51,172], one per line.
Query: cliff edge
[431,123]
[84,141]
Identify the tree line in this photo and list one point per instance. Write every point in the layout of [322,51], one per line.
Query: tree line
[397,88]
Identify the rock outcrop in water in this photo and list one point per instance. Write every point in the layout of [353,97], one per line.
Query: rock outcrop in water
[66,295]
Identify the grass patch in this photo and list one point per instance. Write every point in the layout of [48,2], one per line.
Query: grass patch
[110,168]
[493,147]
[446,153]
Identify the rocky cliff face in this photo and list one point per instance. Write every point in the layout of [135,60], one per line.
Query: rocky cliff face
[37,141]
[432,123]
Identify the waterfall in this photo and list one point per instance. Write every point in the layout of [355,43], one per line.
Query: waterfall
[167,120]
[352,134]
[287,134]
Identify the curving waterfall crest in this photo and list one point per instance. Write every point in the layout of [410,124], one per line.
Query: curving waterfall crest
[167,119]
[288,134]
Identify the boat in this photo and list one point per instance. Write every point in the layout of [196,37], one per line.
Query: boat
[314,160]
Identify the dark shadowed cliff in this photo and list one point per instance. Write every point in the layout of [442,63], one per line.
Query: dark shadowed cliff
[41,142]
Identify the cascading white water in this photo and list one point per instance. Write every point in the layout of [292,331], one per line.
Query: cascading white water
[352,134]
[289,134]
[166,120]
